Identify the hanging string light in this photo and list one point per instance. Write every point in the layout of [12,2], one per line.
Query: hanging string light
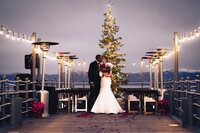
[190,36]
[14,35]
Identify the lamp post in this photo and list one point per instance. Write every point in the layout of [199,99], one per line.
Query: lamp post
[33,68]
[83,73]
[142,64]
[71,58]
[175,60]
[45,46]
[150,71]
[38,70]
[60,56]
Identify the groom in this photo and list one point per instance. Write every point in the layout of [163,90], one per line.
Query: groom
[94,81]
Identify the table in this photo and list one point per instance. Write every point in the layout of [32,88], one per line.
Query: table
[141,92]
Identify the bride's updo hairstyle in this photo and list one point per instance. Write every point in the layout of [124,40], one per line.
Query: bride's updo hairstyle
[105,57]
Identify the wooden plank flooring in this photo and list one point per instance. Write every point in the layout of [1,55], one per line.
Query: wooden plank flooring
[101,123]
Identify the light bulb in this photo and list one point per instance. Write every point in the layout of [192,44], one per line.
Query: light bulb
[180,39]
[184,38]
[18,37]
[133,64]
[192,36]
[23,38]
[189,38]
[7,35]
[13,37]
[27,39]
[197,33]
[1,31]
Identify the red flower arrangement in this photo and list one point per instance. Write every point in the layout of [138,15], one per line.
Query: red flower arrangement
[38,108]
[163,105]
[104,68]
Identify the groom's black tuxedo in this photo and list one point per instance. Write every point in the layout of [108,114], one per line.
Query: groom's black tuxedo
[93,75]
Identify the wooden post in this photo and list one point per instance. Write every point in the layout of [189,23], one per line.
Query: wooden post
[26,97]
[188,86]
[3,109]
[59,77]
[61,73]
[151,82]
[142,72]
[66,74]
[165,84]
[161,73]
[175,60]
[198,96]
[17,86]
[52,83]
[182,87]
[83,73]
[73,72]
[33,63]
[155,78]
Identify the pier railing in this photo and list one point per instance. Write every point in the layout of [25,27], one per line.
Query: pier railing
[10,91]
[184,100]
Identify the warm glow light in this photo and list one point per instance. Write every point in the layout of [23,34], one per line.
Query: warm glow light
[197,33]
[1,31]
[133,64]
[7,36]
[51,57]
[147,66]
[179,47]
[38,50]
[184,38]
[13,37]
[189,38]
[192,36]
[23,38]
[169,54]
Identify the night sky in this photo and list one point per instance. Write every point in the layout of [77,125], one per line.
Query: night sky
[76,25]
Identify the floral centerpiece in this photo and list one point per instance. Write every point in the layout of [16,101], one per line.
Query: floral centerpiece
[38,108]
[163,105]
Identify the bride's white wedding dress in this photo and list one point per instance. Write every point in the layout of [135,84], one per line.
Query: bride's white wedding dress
[106,101]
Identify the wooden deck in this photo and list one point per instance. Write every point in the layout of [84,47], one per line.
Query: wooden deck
[101,123]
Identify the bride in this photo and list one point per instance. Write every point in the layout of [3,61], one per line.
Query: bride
[106,101]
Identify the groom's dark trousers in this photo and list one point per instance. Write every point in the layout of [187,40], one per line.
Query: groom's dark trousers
[93,75]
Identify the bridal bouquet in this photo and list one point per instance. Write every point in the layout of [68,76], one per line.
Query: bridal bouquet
[105,68]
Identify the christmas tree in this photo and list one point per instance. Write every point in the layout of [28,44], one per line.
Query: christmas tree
[112,45]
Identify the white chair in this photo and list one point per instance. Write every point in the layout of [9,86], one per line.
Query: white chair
[152,107]
[132,98]
[80,99]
